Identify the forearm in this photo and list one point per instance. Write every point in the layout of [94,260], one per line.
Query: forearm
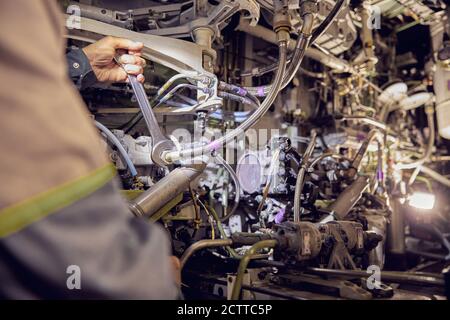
[80,69]
[119,256]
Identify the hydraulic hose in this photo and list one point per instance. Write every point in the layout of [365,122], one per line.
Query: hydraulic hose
[237,91]
[251,120]
[302,44]
[296,60]
[301,177]
[244,263]
[320,30]
[237,98]
[111,137]
[412,165]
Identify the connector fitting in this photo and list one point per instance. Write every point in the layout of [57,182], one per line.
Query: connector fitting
[308,6]
[283,35]
[281,17]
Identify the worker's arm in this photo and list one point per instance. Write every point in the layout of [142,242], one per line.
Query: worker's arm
[59,210]
[95,62]
[91,249]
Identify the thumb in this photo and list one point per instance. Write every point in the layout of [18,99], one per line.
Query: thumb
[121,43]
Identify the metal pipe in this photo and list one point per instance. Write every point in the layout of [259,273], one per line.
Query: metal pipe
[338,65]
[396,229]
[165,190]
[237,186]
[327,155]
[301,177]
[262,290]
[237,98]
[373,134]
[429,150]
[367,35]
[236,292]
[367,120]
[425,254]
[436,176]
[418,278]
[349,197]
[172,92]
[203,244]
[303,42]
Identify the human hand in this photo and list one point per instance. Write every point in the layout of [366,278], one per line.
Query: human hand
[101,56]
[176,267]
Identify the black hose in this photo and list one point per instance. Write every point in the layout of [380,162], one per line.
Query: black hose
[323,27]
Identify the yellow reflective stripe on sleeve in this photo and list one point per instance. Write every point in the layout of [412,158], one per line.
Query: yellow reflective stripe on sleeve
[20,215]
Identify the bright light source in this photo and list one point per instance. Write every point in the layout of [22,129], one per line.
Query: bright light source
[422,200]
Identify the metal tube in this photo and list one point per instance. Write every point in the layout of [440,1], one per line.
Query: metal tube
[369,121]
[203,244]
[405,277]
[396,229]
[165,190]
[268,35]
[373,134]
[327,155]
[319,31]
[236,292]
[301,177]
[349,197]
[429,150]
[436,176]
[237,186]
[296,59]
[367,35]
